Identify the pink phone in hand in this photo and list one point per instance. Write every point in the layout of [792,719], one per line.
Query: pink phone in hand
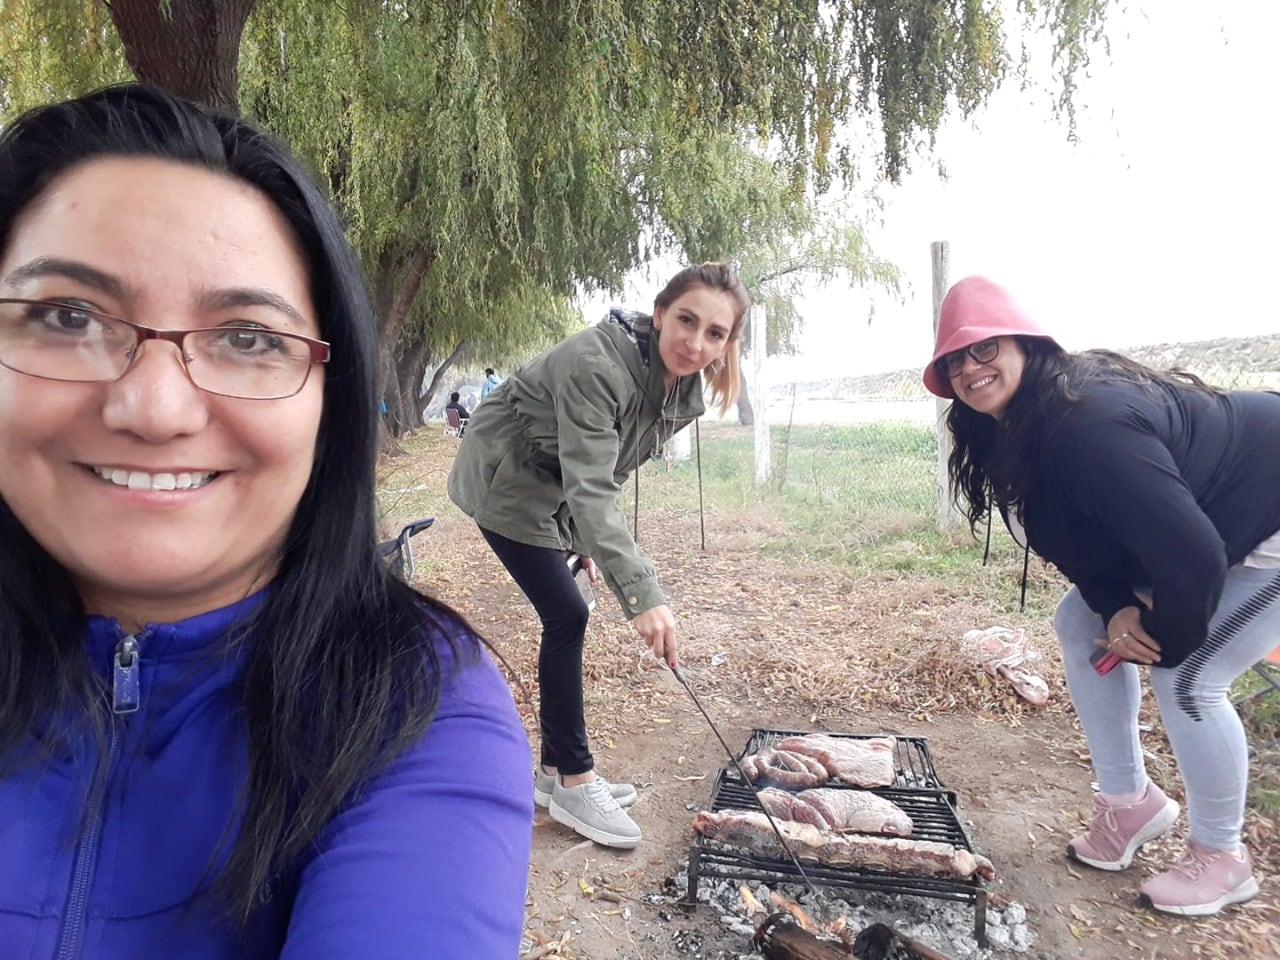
[1104,661]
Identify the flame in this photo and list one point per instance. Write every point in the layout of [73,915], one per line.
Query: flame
[754,906]
[797,911]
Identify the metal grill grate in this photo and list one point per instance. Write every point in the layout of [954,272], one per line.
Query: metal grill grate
[913,764]
[931,809]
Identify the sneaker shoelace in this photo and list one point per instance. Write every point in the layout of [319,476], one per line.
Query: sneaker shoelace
[598,794]
[1195,862]
[1104,817]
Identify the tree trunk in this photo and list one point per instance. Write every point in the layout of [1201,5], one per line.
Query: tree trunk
[443,369]
[746,413]
[403,394]
[188,47]
[394,288]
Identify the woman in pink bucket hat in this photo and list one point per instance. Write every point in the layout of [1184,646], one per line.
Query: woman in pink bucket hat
[1158,497]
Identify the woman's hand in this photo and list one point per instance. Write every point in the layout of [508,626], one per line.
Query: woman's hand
[1127,640]
[657,626]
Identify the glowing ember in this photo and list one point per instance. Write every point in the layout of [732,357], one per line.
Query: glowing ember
[754,906]
[797,911]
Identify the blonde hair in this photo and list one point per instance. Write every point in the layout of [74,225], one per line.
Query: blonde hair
[723,377]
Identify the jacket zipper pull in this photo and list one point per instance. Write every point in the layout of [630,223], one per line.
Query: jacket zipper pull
[125,687]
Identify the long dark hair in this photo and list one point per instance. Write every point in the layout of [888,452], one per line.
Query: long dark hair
[996,461]
[343,663]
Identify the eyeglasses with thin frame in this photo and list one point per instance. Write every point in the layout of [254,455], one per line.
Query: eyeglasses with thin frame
[984,351]
[61,341]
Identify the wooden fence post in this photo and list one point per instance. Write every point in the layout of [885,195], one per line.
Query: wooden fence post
[948,515]
[760,392]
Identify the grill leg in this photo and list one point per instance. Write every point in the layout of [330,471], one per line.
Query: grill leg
[691,886]
[980,918]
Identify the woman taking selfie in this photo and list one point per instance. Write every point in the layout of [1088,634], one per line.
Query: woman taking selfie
[1158,497]
[225,729]
[541,471]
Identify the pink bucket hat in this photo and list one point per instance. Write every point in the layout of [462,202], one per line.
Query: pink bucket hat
[975,309]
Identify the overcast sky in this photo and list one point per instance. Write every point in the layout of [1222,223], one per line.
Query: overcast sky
[1158,224]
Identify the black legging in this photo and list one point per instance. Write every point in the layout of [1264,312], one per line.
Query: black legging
[544,578]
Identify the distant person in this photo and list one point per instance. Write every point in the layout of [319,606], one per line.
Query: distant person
[491,383]
[227,729]
[541,473]
[1158,497]
[455,404]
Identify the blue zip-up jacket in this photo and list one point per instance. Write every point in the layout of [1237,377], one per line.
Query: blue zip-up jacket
[112,855]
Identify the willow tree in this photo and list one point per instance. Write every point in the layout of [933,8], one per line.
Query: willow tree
[489,154]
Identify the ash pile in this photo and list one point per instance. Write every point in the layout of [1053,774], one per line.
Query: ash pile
[946,927]
[877,834]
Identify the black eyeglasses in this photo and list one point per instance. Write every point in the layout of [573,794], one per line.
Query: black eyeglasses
[984,351]
[59,341]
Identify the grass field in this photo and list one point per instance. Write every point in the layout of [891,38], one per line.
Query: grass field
[860,498]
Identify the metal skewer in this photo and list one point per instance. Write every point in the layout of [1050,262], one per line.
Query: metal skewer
[818,896]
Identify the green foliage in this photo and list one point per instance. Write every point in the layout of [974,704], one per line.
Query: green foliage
[51,50]
[823,245]
[495,152]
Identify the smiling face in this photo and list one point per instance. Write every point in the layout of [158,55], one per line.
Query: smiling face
[161,500]
[695,330]
[987,386]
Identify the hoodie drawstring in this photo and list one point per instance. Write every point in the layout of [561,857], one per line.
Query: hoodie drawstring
[1026,555]
[1026,562]
[702,515]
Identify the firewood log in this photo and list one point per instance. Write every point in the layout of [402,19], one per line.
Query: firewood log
[777,938]
[882,942]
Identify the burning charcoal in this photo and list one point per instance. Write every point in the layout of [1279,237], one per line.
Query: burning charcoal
[881,942]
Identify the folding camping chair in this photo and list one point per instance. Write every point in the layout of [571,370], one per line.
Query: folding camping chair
[398,553]
[454,425]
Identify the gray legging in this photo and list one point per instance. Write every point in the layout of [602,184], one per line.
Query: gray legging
[1206,734]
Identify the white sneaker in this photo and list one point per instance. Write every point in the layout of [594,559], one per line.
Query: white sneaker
[544,783]
[589,809]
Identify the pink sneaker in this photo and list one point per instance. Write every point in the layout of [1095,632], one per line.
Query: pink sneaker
[1118,830]
[1202,882]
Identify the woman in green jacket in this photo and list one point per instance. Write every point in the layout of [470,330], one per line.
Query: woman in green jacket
[541,471]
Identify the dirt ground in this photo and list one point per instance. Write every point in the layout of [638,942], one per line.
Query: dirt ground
[768,645]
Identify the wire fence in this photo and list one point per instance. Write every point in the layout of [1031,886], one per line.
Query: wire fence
[874,440]
[854,462]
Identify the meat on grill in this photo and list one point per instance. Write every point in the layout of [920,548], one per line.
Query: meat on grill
[749,830]
[784,768]
[838,810]
[863,762]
